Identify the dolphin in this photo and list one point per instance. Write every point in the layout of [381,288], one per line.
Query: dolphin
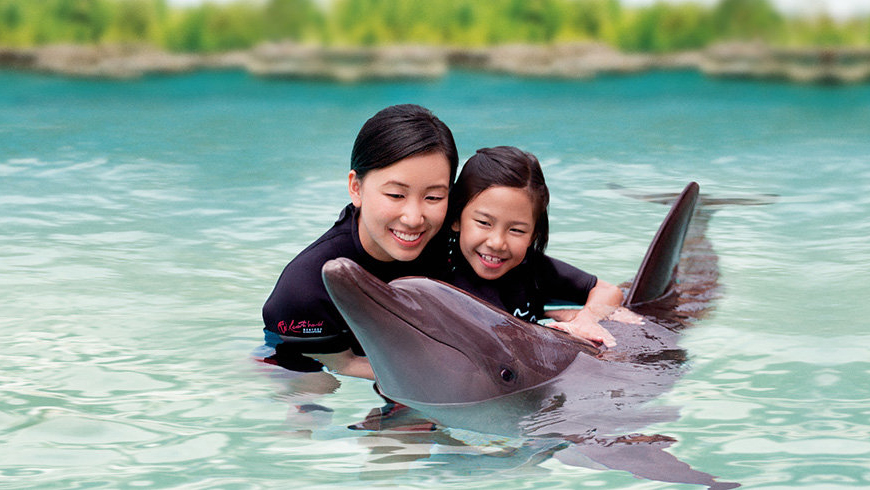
[467,364]
[432,344]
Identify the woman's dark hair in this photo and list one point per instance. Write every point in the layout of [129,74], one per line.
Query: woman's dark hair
[398,132]
[509,167]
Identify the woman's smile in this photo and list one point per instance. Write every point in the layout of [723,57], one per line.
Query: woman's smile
[406,238]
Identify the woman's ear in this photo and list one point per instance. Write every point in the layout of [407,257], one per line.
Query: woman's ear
[353,188]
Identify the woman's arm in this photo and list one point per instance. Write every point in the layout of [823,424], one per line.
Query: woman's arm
[346,363]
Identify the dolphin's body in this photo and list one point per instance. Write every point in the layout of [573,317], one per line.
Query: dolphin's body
[467,364]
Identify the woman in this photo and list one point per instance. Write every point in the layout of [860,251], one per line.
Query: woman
[403,164]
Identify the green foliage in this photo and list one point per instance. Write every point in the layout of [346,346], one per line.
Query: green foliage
[747,19]
[297,20]
[824,31]
[664,27]
[138,21]
[14,23]
[209,27]
[212,28]
[78,21]
[595,20]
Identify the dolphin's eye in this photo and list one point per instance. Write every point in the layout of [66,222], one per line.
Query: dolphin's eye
[507,375]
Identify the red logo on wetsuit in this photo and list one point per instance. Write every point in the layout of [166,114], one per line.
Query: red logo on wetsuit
[302,327]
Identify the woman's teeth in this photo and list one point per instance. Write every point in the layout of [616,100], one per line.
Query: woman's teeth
[408,237]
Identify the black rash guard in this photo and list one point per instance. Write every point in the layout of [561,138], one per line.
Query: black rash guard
[299,315]
[524,290]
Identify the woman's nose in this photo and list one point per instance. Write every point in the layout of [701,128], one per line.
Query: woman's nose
[412,214]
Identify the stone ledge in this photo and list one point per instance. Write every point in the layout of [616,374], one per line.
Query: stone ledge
[352,64]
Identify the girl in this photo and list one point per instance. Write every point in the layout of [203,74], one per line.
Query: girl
[403,164]
[498,213]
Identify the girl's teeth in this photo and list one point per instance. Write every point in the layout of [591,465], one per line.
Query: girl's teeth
[491,259]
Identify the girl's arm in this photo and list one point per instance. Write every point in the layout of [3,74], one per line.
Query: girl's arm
[562,281]
[603,299]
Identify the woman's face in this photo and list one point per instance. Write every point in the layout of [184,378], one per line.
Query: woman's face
[402,206]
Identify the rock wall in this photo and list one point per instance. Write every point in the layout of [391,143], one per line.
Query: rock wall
[352,64]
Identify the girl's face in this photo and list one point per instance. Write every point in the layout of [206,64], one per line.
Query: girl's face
[405,205]
[495,230]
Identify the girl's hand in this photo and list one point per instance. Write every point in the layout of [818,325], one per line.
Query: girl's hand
[583,324]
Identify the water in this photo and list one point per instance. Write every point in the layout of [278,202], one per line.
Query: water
[145,222]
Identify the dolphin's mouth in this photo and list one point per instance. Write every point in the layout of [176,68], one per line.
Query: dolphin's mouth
[406,339]
[346,274]
[390,309]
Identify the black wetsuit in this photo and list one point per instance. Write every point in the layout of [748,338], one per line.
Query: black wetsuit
[524,290]
[299,315]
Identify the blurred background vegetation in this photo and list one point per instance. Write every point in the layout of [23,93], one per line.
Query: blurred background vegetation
[215,27]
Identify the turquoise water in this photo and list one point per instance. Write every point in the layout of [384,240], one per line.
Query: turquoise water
[145,222]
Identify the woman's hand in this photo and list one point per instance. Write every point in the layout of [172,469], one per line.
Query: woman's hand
[346,363]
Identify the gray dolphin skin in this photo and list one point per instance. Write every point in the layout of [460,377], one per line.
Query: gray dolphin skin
[466,364]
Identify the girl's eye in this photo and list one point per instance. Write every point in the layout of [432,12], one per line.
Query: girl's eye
[394,196]
[435,198]
[482,222]
[518,231]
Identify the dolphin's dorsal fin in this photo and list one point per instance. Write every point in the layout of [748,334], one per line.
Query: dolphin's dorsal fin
[656,274]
